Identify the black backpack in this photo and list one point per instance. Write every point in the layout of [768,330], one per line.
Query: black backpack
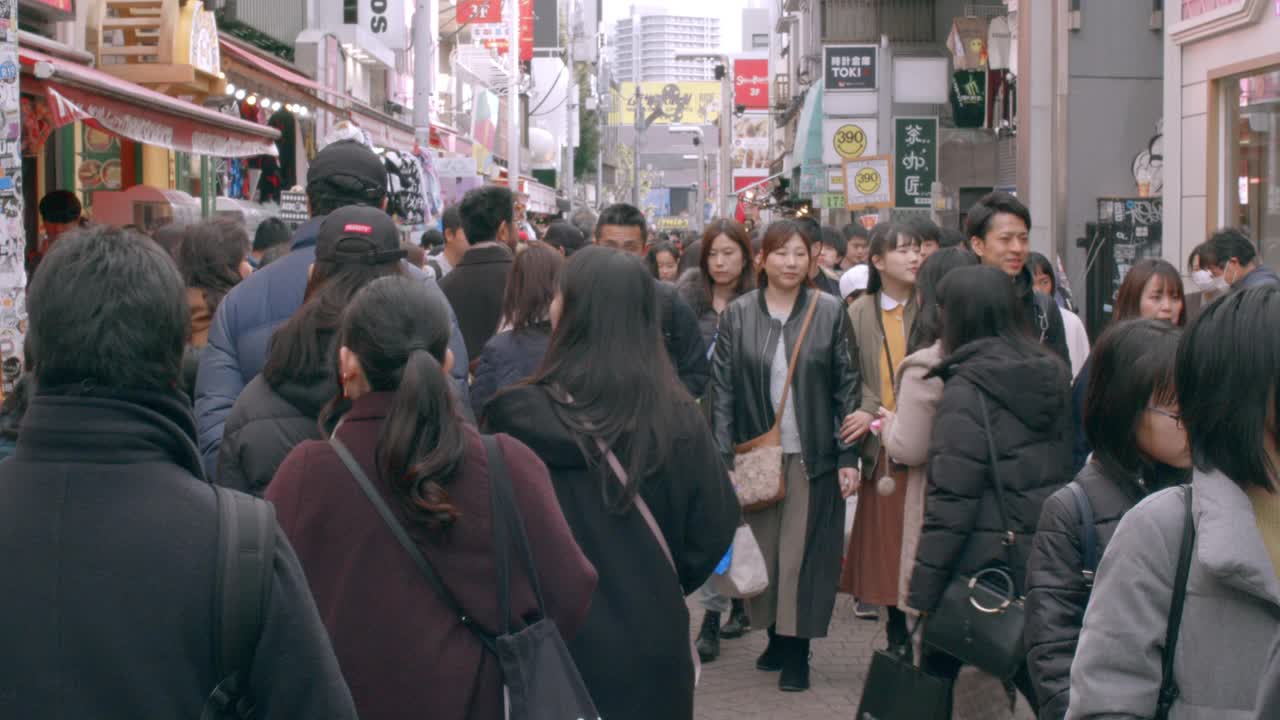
[246,553]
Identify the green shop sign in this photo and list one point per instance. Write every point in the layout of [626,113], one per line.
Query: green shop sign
[915,158]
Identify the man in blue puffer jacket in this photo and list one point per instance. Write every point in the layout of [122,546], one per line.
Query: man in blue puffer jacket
[343,173]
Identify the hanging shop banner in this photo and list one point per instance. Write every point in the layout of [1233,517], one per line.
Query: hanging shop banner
[682,103]
[149,127]
[868,182]
[848,139]
[751,143]
[484,120]
[751,83]
[387,21]
[477,12]
[498,39]
[915,153]
[850,67]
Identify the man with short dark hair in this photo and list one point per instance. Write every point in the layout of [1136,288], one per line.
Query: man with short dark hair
[269,233]
[857,243]
[1233,258]
[930,237]
[455,241]
[111,535]
[343,173]
[623,227]
[476,286]
[564,237]
[60,211]
[818,237]
[999,228]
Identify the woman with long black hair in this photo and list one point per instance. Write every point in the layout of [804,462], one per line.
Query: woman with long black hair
[637,474]
[801,536]
[1002,390]
[390,627]
[882,320]
[279,408]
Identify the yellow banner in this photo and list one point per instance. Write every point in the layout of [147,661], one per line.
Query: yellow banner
[682,103]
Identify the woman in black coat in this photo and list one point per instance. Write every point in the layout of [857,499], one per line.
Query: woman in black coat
[607,387]
[990,359]
[802,536]
[280,408]
[516,351]
[1139,447]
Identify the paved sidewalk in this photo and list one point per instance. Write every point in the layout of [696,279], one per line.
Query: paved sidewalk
[732,688]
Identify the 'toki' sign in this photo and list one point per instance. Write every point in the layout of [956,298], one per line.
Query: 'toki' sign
[751,83]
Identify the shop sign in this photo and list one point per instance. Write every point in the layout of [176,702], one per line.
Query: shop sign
[850,67]
[387,21]
[835,179]
[848,139]
[830,201]
[751,142]
[477,12]
[751,83]
[868,182]
[452,166]
[498,39]
[811,179]
[672,223]
[205,54]
[681,103]
[293,207]
[915,152]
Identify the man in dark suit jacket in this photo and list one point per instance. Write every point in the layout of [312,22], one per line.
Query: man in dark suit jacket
[476,285]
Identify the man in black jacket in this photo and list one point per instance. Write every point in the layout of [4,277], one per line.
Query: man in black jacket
[476,285]
[622,227]
[108,531]
[999,227]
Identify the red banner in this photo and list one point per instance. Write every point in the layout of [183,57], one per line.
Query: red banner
[751,84]
[526,30]
[479,11]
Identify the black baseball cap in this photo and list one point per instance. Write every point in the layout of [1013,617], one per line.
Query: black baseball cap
[359,235]
[349,161]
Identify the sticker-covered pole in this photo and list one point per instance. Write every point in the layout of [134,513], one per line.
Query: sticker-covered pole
[13,275]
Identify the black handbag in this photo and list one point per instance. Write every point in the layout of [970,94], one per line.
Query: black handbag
[540,678]
[980,617]
[898,690]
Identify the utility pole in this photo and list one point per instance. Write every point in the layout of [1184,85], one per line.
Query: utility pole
[570,104]
[513,97]
[635,65]
[424,70]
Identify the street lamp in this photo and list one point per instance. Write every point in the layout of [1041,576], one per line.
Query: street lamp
[726,123]
[696,132]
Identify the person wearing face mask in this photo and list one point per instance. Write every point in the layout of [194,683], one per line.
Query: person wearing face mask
[1210,287]
[1133,423]
[1233,263]
[882,321]
[1152,289]
[999,227]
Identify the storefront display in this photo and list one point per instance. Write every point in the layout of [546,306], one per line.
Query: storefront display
[1252,130]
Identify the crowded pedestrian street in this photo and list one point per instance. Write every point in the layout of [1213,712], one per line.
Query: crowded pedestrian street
[590,360]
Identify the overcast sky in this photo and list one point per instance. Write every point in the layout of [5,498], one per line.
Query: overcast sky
[729,12]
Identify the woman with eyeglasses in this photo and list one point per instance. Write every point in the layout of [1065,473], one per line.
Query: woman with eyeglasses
[1133,423]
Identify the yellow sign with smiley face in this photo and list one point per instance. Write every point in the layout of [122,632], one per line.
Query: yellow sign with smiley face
[850,141]
[867,180]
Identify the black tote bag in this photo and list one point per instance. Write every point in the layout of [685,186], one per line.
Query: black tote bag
[898,690]
[540,678]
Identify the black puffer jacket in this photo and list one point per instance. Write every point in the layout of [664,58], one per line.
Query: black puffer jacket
[1057,592]
[264,425]
[827,385]
[1025,390]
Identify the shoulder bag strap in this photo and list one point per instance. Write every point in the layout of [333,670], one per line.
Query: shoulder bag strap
[1168,687]
[393,524]
[1009,537]
[795,353]
[506,512]
[884,339]
[1088,531]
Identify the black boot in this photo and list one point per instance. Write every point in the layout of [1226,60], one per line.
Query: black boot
[709,637]
[771,660]
[899,636]
[795,666]
[738,623]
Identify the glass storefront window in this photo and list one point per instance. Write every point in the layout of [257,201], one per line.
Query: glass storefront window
[1253,156]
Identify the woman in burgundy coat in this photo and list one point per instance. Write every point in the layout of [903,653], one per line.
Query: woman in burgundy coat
[402,651]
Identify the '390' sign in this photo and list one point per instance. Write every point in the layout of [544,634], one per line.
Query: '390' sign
[387,21]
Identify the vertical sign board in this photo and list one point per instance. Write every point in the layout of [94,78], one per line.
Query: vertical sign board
[751,83]
[850,67]
[386,19]
[868,182]
[13,274]
[915,154]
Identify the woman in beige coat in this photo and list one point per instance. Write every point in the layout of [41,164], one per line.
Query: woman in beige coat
[906,433]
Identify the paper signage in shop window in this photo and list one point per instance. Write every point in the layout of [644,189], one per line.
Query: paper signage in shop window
[387,21]
[915,150]
[294,209]
[868,182]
